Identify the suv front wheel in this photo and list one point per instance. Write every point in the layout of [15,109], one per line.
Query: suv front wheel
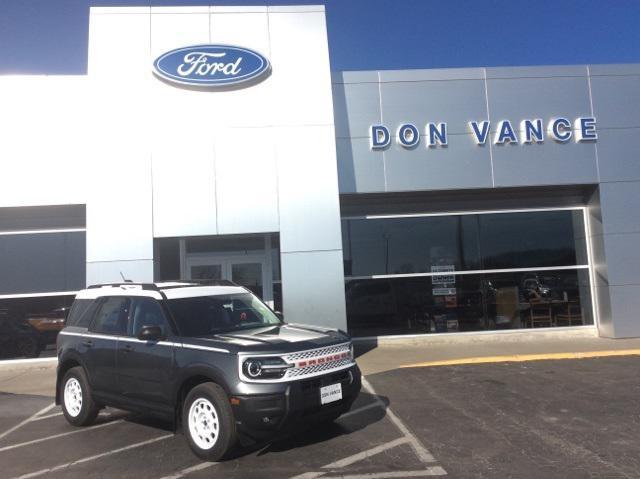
[208,421]
[77,404]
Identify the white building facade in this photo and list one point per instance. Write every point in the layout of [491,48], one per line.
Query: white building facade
[390,202]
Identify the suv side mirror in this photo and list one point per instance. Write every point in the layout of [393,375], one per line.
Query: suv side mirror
[279,315]
[150,333]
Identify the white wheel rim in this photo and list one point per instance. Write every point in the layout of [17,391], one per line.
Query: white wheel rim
[204,427]
[73,397]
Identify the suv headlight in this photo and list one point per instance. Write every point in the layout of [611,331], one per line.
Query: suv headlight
[265,368]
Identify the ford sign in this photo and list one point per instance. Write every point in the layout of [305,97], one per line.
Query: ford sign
[211,66]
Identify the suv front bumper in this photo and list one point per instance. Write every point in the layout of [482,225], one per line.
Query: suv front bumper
[259,416]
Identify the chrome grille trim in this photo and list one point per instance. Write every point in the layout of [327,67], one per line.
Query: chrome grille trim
[316,353]
[310,371]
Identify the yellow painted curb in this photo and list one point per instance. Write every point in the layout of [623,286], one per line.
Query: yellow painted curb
[517,358]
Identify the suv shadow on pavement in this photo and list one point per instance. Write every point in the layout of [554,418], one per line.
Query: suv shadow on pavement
[316,433]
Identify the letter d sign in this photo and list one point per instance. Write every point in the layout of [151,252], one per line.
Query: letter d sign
[380,137]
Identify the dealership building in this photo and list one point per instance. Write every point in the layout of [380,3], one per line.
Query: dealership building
[216,143]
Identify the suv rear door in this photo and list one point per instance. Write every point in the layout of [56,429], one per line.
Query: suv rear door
[145,368]
[100,345]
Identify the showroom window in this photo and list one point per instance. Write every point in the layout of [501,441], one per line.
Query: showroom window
[42,265]
[420,274]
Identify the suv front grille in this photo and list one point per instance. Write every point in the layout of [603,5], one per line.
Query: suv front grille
[318,368]
[308,364]
[316,353]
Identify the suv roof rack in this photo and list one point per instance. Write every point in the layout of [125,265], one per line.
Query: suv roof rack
[150,286]
[184,283]
[180,283]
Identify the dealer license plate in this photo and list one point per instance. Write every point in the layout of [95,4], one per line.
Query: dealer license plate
[330,393]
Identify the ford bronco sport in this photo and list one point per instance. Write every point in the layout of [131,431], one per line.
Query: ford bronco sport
[211,358]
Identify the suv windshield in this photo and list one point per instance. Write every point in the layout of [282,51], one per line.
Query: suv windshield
[207,315]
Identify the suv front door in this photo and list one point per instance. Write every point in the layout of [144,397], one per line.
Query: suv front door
[100,346]
[145,368]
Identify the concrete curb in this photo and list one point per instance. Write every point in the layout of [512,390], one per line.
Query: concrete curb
[519,358]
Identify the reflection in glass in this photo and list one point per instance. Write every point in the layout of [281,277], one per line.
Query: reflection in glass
[532,240]
[474,302]
[29,326]
[248,275]
[42,262]
[540,239]
[206,271]
[408,245]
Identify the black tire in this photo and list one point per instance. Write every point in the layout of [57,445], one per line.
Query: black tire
[89,409]
[226,436]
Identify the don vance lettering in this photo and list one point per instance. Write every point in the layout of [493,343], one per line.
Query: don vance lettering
[528,131]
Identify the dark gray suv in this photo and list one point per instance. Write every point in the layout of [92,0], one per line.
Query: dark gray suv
[213,359]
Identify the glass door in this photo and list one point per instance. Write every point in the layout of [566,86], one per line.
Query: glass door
[250,271]
[205,271]
[249,275]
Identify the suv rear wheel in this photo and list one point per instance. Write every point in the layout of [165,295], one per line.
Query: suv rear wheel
[208,421]
[78,406]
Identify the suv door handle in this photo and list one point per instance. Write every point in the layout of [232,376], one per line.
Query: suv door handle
[127,348]
[87,342]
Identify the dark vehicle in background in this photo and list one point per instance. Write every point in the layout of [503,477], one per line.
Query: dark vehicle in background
[213,359]
[29,326]
[18,339]
[48,325]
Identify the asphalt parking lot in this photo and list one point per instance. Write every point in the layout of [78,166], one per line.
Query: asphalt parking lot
[369,442]
[565,419]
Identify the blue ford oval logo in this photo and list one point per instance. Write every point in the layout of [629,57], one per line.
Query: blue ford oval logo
[211,65]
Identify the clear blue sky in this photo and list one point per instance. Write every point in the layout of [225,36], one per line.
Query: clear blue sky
[50,36]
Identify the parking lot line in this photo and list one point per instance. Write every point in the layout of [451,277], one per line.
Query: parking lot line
[347,461]
[309,475]
[374,404]
[92,458]
[189,470]
[19,425]
[422,452]
[407,438]
[55,414]
[55,436]
[517,358]
[429,471]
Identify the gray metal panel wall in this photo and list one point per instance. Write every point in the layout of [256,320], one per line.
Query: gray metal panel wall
[610,93]
[616,94]
[457,96]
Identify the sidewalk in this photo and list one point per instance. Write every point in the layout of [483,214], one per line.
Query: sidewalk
[35,378]
[384,355]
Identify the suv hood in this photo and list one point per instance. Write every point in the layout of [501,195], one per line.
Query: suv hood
[277,338]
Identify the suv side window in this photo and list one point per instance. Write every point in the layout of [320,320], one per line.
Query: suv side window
[146,312]
[81,312]
[112,316]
